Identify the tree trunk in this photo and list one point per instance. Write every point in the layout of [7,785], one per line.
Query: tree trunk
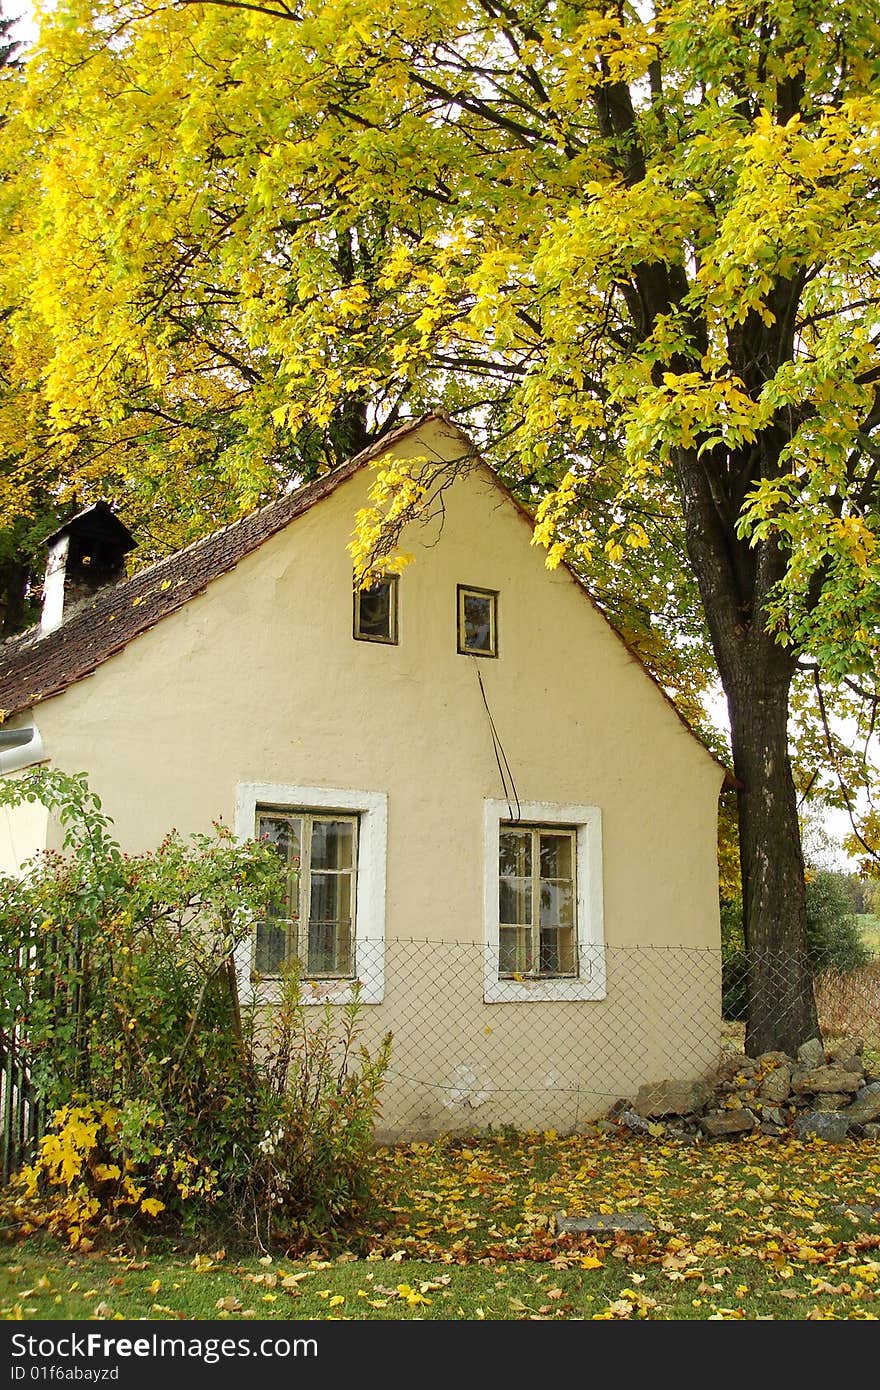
[781,1005]
[735,580]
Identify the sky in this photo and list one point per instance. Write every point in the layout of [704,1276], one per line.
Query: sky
[25,29]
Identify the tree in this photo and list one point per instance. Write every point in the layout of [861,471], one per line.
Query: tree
[13,566]
[635,249]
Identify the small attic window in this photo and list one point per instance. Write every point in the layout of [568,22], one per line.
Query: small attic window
[375,611]
[477,621]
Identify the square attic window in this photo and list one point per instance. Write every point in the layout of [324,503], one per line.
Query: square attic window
[375,611]
[477,621]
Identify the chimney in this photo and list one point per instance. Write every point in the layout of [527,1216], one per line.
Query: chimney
[85,554]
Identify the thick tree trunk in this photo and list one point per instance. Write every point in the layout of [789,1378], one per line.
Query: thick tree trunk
[735,580]
[781,1005]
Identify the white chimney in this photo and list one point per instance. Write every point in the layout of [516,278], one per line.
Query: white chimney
[53,584]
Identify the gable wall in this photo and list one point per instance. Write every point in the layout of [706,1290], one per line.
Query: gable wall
[259,680]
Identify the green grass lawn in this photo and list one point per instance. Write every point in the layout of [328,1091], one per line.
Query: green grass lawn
[870,928]
[740,1231]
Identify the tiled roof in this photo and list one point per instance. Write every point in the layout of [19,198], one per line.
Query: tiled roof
[33,668]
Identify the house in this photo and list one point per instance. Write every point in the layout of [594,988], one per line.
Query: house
[493,817]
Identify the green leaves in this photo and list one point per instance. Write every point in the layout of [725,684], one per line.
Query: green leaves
[120,997]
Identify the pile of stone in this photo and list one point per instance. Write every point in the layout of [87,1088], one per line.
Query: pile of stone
[826,1094]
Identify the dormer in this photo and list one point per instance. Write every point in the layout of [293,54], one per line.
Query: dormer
[85,554]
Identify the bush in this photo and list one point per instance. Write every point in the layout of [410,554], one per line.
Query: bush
[834,938]
[121,1001]
[318,1093]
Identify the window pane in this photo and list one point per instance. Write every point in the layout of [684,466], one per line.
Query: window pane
[477,622]
[331,898]
[285,835]
[557,951]
[515,853]
[329,949]
[320,852]
[514,951]
[557,903]
[375,610]
[538,860]
[332,844]
[270,951]
[555,856]
[515,900]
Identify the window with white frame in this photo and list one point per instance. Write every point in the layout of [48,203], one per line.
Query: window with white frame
[315,923]
[543,903]
[333,843]
[536,901]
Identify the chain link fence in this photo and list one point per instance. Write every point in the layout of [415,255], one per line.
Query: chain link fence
[459,1063]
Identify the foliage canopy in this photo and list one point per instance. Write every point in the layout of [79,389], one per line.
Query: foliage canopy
[632,248]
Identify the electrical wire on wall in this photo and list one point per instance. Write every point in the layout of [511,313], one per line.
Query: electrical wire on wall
[508,785]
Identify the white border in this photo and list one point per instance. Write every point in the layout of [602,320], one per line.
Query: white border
[372,809]
[590,983]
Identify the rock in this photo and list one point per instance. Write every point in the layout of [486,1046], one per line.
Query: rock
[746,1091]
[812,1080]
[606,1127]
[777,1084]
[589,1131]
[871,1131]
[637,1123]
[768,1060]
[812,1053]
[736,1065]
[596,1223]
[671,1098]
[866,1106]
[831,1100]
[618,1108]
[774,1131]
[847,1050]
[773,1115]
[830,1125]
[682,1136]
[721,1122]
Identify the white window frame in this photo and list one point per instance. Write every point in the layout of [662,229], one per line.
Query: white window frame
[590,982]
[371,808]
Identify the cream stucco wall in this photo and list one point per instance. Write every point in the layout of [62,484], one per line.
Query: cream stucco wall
[23,832]
[259,680]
